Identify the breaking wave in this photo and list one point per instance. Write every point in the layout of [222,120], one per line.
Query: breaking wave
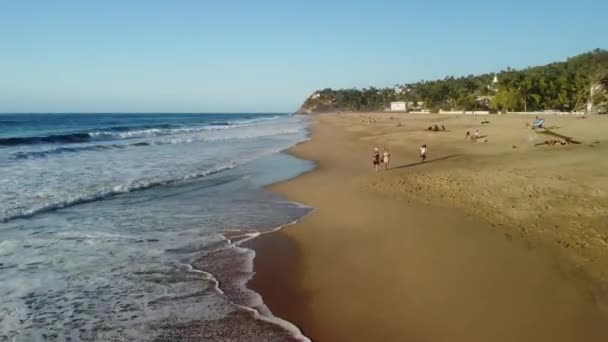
[126,132]
[171,141]
[103,192]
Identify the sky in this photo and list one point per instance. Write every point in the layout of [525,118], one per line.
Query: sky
[266,56]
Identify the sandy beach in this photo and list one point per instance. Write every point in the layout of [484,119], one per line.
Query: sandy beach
[503,240]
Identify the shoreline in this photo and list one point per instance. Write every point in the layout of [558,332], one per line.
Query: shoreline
[299,288]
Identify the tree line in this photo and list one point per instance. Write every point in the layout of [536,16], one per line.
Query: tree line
[577,84]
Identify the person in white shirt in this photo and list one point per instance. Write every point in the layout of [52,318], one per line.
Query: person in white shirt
[423,150]
[386,158]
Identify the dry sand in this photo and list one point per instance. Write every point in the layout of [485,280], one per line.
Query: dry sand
[494,241]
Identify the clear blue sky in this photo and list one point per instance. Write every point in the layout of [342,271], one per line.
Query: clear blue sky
[240,56]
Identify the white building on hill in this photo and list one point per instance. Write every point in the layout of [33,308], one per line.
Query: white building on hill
[398,106]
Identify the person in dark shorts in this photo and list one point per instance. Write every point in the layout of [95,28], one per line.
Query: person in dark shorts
[376,158]
[423,150]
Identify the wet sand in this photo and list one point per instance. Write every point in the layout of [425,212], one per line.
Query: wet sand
[409,255]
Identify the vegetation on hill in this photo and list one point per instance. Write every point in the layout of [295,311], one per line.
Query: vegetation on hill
[578,84]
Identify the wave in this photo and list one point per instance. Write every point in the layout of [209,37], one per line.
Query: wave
[178,140]
[127,132]
[130,128]
[48,139]
[10,122]
[233,285]
[44,153]
[105,192]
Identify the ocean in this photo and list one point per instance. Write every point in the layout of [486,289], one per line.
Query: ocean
[127,227]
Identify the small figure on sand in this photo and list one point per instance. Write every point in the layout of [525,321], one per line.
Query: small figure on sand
[423,150]
[436,128]
[560,142]
[376,158]
[468,136]
[386,158]
[477,137]
[537,124]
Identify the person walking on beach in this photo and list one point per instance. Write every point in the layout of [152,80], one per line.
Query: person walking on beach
[386,158]
[423,150]
[376,158]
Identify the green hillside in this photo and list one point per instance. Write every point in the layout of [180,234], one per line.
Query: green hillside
[577,84]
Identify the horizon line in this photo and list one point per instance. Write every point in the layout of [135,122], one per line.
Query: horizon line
[105,112]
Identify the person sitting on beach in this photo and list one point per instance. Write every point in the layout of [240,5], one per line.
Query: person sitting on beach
[538,123]
[423,150]
[476,136]
[376,158]
[386,158]
[467,136]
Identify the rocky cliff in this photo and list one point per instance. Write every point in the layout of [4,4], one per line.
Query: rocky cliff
[317,103]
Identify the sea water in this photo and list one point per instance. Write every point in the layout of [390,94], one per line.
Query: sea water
[126,227]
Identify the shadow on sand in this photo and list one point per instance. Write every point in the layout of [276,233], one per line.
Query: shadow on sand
[426,162]
[557,135]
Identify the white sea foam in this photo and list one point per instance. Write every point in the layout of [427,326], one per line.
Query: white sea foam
[121,268]
[155,132]
[37,185]
[256,302]
[98,192]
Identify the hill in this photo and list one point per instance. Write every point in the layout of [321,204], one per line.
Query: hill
[578,84]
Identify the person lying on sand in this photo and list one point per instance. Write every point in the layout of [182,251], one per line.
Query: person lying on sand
[376,158]
[477,137]
[423,150]
[386,158]
[554,143]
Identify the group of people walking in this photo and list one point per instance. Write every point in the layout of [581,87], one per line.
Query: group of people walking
[385,157]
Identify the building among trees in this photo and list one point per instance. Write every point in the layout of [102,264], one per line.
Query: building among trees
[575,85]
